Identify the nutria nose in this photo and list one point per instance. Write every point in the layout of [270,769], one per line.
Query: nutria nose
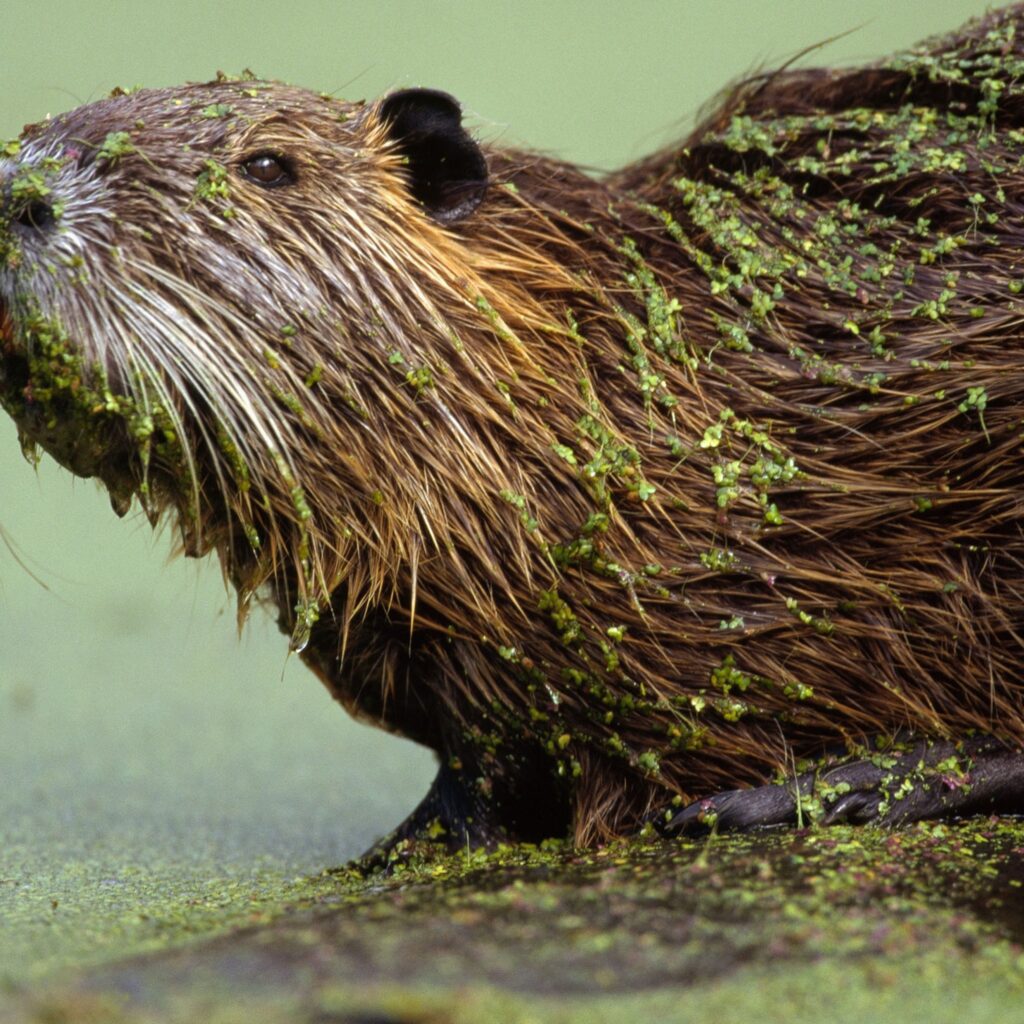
[36,214]
[26,201]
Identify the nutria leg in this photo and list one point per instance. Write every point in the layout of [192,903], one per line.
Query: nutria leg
[450,816]
[931,780]
[464,809]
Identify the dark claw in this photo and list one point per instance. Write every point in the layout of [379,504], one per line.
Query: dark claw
[853,809]
[739,809]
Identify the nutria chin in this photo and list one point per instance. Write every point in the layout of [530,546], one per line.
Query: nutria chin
[634,496]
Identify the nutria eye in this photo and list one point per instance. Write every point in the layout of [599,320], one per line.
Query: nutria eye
[268,170]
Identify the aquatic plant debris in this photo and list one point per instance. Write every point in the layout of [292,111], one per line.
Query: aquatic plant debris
[503,935]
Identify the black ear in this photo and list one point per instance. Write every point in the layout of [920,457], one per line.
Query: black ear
[447,171]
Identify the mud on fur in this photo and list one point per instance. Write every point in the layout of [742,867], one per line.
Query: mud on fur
[689,492]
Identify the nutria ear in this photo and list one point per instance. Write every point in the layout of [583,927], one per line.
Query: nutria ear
[447,171]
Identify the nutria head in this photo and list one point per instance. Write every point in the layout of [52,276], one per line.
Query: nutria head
[213,295]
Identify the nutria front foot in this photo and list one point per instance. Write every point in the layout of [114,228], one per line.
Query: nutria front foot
[909,782]
[454,815]
[471,806]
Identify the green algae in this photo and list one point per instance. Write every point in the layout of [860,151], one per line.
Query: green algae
[76,413]
[937,989]
[84,912]
[217,110]
[977,401]
[115,146]
[420,379]
[696,929]
[213,186]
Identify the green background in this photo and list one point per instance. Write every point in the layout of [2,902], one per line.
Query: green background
[137,732]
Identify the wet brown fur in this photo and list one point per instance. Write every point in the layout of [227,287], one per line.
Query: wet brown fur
[430,577]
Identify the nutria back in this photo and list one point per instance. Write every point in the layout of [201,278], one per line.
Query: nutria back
[613,492]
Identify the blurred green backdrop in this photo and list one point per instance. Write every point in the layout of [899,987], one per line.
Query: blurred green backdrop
[135,728]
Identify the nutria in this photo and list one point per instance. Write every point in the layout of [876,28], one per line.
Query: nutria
[630,496]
